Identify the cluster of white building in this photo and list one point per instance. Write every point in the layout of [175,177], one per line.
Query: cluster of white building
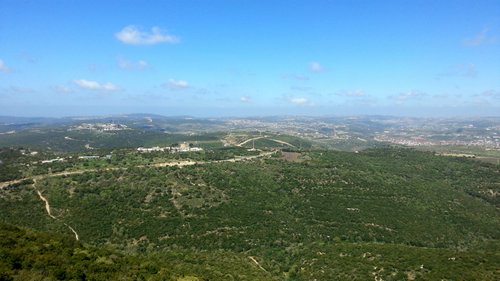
[183,147]
[58,159]
[83,157]
[493,142]
[101,127]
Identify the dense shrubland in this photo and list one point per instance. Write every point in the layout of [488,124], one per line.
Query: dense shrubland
[397,214]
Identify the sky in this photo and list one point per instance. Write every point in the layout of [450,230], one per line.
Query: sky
[250,58]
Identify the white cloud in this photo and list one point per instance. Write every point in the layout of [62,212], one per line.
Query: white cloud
[62,89]
[177,84]
[3,67]
[316,67]
[299,101]
[245,99]
[482,38]
[96,86]
[131,65]
[133,36]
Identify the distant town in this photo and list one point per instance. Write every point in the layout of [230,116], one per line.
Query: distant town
[100,127]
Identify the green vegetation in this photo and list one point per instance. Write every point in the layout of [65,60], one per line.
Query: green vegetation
[389,213]
[349,144]
[29,255]
[9,169]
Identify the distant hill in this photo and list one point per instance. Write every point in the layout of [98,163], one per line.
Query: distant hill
[351,133]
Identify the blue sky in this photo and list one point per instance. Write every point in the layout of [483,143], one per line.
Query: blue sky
[248,58]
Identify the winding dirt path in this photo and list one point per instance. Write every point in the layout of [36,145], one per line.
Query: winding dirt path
[74,232]
[264,137]
[283,142]
[257,263]
[47,208]
[248,140]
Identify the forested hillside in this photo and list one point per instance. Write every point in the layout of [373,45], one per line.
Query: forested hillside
[388,214]
[29,255]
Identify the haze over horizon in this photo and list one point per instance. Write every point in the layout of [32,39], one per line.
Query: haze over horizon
[250,58]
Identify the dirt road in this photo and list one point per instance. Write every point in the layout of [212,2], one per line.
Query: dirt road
[163,164]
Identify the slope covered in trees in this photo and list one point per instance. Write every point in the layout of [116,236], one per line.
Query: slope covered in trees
[395,214]
[30,255]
